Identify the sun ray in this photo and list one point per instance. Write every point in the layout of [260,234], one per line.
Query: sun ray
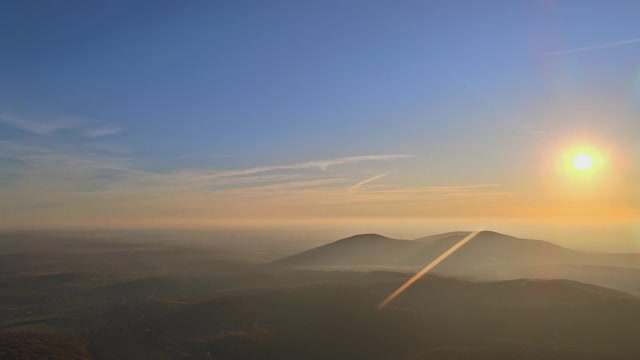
[428,268]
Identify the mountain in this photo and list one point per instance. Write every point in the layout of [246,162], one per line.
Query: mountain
[372,250]
[488,256]
[618,278]
[366,250]
[437,316]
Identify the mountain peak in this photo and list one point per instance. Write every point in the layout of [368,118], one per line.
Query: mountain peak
[365,237]
[461,234]
[362,249]
[374,250]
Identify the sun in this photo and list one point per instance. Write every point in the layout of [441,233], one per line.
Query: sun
[582,161]
[583,167]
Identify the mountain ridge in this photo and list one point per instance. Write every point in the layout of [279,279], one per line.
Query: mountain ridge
[488,256]
[411,252]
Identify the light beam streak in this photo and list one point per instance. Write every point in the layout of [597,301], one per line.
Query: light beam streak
[427,268]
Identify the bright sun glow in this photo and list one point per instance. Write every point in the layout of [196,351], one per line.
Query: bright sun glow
[582,162]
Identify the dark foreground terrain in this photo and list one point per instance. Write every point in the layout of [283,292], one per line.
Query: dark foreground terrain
[125,299]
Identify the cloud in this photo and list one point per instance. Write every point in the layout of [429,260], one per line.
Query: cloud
[39,127]
[88,127]
[461,189]
[366,181]
[48,175]
[285,188]
[46,164]
[216,178]
[424,194]
[594,47]
[101,131]
[92,187]
[53,164]
[319,164]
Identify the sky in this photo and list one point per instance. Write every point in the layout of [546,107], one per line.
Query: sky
[198,113]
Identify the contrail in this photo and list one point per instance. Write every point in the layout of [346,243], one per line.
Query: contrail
[374,178]
[594,47]
[427,268]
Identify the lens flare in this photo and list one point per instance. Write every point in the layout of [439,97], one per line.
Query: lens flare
[428,268]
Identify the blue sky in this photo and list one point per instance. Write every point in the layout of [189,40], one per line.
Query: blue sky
[156,102]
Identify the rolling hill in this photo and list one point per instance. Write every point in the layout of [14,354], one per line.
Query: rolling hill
[438,316]
[367,250]
[487,248]
[489,256]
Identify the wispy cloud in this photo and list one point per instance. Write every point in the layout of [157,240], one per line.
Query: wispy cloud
[45,123]
[285,188]
[430,194]
[39,127]
[594,47]
[366,181]
[92,186]
[48,176]
[101,131]
[319,164]
[440,189]
[47,162]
